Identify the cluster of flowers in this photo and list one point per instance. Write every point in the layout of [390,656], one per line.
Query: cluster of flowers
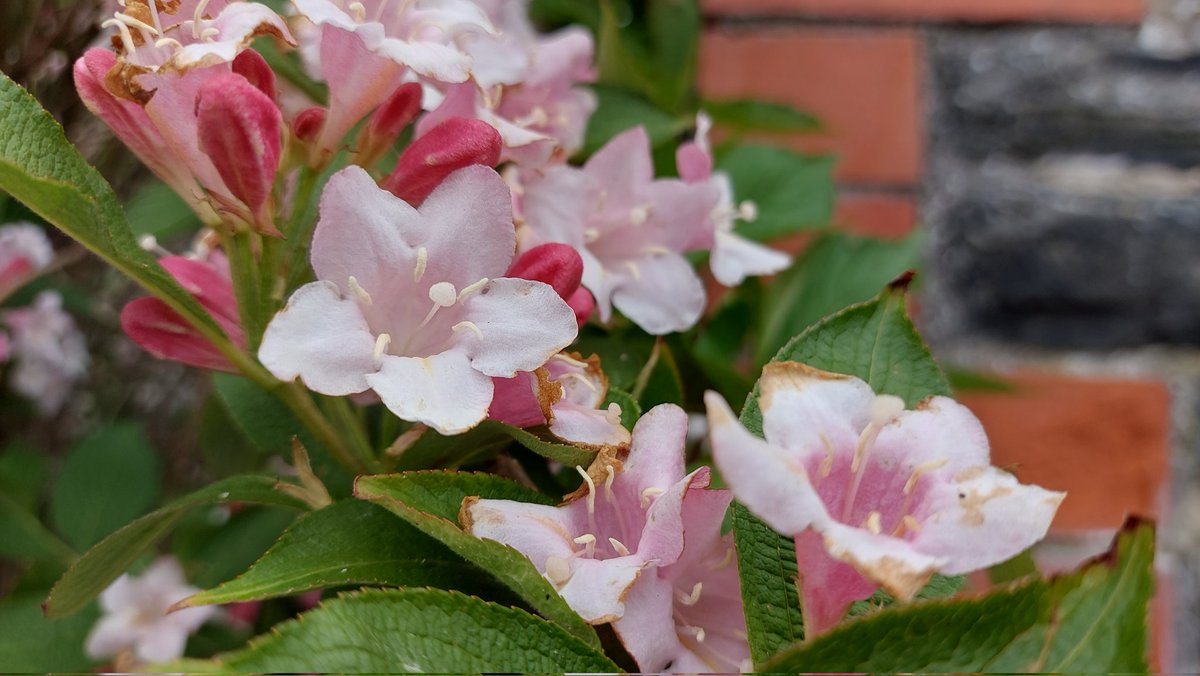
[452,293]
[47,350]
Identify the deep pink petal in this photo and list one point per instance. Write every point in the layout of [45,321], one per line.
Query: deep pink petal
[448,147]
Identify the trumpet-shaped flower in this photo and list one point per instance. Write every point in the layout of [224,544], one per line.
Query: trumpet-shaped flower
[410,302]
[630,229]
[135,615]
[876,496]
[640,546]
[733,257]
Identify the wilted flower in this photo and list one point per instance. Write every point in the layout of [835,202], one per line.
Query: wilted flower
[135,615]
[640,546]
[876,496]
[49,351]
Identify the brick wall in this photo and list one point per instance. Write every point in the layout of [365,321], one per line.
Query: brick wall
[913,96]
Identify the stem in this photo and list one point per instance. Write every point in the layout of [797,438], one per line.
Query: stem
[296,397]
[244,269]
[298,229]
[339,408]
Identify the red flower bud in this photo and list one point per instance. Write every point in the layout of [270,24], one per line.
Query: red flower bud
[239,129]
[456,143]
[583,303]
[558,265]
[252,66]
[389,119]
[308,122]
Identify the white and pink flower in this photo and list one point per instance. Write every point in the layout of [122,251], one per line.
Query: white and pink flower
[411,302]
[49,352]
[875,496]
[24,252]
[640,546]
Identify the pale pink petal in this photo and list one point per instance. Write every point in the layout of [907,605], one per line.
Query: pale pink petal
[647,630]
[734,258]
[323,339]
[664,296]
[430,59]
[623,164]
[359,79]
[520,323]
[162,643]
[586,426]
[467,244]
[655,459]
[807,411]
[827,586]
[537,531]
[597,588]
[111,634]
[442,391]
[553,206]
[693,163]
[768,481]
[939,430]
[984,519]
[894,564]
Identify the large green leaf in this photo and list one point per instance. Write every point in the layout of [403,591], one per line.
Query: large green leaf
[39,167]
[157,210]
[619,110]
[755,115]
[22,536]
[874,341]
[430,501]
[349,542]
[109,479]
[1090,621]
[792,192]
[485,439]
[417,630]
[32,643]
[650,47]
[104,562]
[836,271]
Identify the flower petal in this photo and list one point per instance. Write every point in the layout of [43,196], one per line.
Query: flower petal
[734,258]
[805,409]
[537,531]
[939,429]
[468,227]
[442,391]
[322,338]
[647,630]
[521,324]
[586,426]
[894,564]
[623,165]
[597,588]
[663,296]
[827,586]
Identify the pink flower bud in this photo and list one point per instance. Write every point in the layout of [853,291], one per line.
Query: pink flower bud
[252,66]
[583,303]
[308,122]
[389,119]
[456,143]
[558,265]
[239,129]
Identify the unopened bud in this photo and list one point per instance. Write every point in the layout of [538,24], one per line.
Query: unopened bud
[583,304]
[456,143]
[252,66]
[558,265]
[308,122]
[388,120]
[239,129]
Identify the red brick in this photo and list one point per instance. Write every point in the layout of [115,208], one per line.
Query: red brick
[1104,441]
[1104,11]
[863,83]
[883,215]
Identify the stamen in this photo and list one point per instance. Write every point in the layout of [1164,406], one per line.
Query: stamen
[472,288]
[911,484]
[581,378]
[613,414]
[357,289]
[591,494]
[153,14]
[134,22]
[443,294]
[694,597]
[748,211]
[574,362]
[699,633]
[725,561]
[873,522]
[618,547]
[638,215]
[168,42]
[656,249]
[637,274]
[589,544]
[590,235]
[359,11]
[827,463]
[468,325]
[422,259]
[558,570]
[910,522]
[381,344]
[608,481]
[209,33]
[197,17]
[126,36]
[651,492]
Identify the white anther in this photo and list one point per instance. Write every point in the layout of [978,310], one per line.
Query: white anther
[590,235]
[873,522]
[651,492]
[134,22]
[619,548]
[694,597]
[148,242]
[608,481]
[470,289]
[585,539]
[381,344]
[638,215]
[885,408]
[591,494]
[612,415]
[168,42]
[209,33]
[359,11]
[422,260]
[911,484]
[574,362]
[910,522]
[581,378]
[357,289]
[558,570]
[728,559]
[469,326]
[443,294]
[633,268]
[126,36]
[699,634]
[656,249]
[748,211]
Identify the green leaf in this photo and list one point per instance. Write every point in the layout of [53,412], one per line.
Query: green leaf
[431,501]
[1090,621]
[23,474]
[104,562]
[619,110]
[836,271]
[792,192]
[755,115]
[156,209]
[874,341]
[417,630]
[39,167]
[35,644]
[108,480]
[233,546]
[22,536]
[349,542]
[485,439]
[630,409]
[650,47]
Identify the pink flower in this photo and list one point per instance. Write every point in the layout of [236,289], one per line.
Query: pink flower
[407,306]
[640,546]
[136,619]
[733,257]
[875,496]
[24,251]
[159,330]
[630,229]
[50,352]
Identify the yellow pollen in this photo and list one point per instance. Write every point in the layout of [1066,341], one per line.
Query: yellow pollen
[359,11]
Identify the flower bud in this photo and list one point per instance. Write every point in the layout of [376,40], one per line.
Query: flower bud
[239,129]
[583,303]
[308,122]
[388,120]
[456,143]
[558,265]
[252,66]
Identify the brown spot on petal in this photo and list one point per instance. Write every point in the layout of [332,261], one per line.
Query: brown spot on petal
[120,81]
[970,473]
[464,512]
[972,504]
[790,375]
[606,456]
[547,393]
